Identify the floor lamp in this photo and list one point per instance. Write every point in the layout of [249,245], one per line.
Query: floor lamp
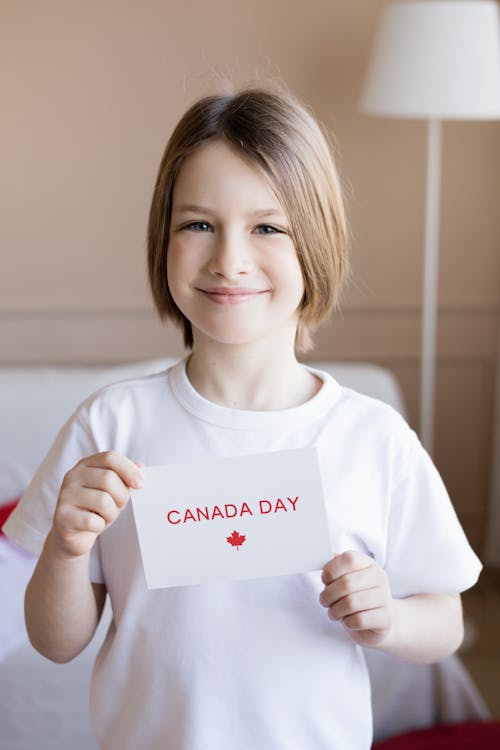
[435,61]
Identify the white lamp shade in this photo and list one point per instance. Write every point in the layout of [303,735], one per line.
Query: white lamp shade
[436,60]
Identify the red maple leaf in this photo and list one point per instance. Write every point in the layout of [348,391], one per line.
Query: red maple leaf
[236,539]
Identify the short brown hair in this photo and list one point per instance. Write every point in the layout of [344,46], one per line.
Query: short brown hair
[283,141]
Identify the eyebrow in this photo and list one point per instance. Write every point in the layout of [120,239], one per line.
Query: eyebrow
[193,208]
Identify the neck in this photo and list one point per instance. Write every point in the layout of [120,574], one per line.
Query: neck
[253,377]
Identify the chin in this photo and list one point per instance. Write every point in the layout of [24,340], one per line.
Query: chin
[232,337]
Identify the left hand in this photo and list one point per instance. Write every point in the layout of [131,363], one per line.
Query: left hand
[357,594]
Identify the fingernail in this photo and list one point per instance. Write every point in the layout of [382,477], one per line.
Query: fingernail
[138,482]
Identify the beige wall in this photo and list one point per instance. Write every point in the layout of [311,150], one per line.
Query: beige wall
[89,93]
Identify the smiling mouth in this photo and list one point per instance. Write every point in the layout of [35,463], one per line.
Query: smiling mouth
[235,296]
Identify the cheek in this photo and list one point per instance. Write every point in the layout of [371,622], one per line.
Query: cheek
[185,256]
[177,262]
[174,273]
[292,274]
[299,278]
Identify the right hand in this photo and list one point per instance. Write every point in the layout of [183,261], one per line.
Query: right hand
[92,495]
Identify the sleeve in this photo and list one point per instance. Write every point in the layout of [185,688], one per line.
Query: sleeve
[31,521]
[427,550]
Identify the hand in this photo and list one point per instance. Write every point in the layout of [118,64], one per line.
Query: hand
[92,495]
[357,594]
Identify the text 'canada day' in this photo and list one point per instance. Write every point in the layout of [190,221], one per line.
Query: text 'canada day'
[230,510]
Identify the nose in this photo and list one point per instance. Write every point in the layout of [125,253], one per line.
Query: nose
[231,255]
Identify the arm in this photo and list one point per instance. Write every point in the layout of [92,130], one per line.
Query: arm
[422,628]
[62,606]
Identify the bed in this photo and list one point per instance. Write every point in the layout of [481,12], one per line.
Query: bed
[45,705]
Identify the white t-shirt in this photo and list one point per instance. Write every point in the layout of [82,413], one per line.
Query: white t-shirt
[249,664]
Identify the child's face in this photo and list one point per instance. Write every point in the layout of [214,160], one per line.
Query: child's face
[232,266]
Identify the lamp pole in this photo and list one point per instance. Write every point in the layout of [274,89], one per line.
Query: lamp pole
[430,285]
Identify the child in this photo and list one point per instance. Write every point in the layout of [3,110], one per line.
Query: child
[247,252]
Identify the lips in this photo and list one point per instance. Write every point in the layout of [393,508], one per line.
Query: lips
[231,295]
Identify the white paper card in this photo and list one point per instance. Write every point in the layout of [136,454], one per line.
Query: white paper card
[235,518]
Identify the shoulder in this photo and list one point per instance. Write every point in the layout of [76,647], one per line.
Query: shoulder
[370,410]
[379,423]
[363,390]
[130,395]
[367,430]
[380,409]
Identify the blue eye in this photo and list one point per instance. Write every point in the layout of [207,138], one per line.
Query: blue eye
[267,229]
[198,226]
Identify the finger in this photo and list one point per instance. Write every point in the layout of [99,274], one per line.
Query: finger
[372,619]
[348,584]
[74,520]
[361,601]
[76,488]
[100,503]
[127,470]
[108,481]
[347,562]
